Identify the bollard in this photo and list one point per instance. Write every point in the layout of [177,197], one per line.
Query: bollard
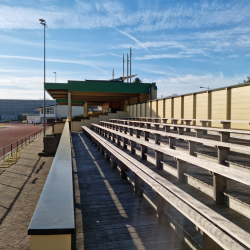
[4,158]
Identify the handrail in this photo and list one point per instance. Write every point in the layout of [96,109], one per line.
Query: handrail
[54,212]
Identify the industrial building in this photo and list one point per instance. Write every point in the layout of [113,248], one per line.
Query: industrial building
[12,109]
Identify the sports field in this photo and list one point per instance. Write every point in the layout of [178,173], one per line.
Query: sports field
[10,133]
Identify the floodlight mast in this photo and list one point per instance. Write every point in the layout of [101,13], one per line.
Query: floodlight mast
[43,22]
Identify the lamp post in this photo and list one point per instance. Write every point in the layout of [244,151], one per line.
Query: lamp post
[43,22]
[55,76]
[205,88]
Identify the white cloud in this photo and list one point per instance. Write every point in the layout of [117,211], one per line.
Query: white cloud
[184,84]
[89,63]
[233,56]
[148,57]
[115,14]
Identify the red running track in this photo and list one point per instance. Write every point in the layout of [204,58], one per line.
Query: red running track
[15,132]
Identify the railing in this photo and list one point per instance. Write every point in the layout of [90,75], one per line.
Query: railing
[10,153]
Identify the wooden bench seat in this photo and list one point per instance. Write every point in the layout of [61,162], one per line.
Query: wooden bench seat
[233,147]
[225,133]
[225,123]
[220,172]
[194,210]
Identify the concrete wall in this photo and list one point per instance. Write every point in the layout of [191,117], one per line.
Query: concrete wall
[143,109]
[76,125]
[138,110]
[188,105]
[222,104]
[58,128]
[177,109]
[154,109]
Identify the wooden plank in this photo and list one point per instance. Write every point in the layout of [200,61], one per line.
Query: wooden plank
[233,174]
[210,229]
[207,142]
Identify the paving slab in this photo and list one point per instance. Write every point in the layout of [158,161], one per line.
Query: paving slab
[20,188]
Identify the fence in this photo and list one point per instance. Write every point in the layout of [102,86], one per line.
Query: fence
[230,103]
[11,152]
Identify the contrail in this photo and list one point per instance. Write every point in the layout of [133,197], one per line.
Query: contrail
[133,38]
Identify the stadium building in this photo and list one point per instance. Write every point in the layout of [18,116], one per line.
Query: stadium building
[12,109]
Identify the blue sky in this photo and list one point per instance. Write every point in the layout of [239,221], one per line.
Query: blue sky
[180,45]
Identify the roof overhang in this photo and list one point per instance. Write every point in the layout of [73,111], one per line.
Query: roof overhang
[95,92]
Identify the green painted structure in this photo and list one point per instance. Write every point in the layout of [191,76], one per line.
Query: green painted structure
[98,92]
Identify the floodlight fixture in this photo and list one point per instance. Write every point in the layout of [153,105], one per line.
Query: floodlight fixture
[205,87]
[55,76]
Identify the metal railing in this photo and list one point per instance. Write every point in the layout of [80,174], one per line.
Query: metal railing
[10,153]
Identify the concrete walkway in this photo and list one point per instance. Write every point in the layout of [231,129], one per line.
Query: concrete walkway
[108,215]
[20,188]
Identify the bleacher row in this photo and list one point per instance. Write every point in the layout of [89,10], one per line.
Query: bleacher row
[192,168]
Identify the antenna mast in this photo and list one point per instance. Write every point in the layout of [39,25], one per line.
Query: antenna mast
[123,64]
[127,66]
[130,62]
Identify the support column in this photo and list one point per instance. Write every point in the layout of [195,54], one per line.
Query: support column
[107,158]
[124,168]
[85,112]
[188,124]
[69,109]
[192,147]
[137,132]
[157,126]
[204,124]
[171,142]
[181,131]
[138,189]
[167,129]
[199,133]
[224,136]
[125,142]
[133,145]
[158,159]
[146,136]
[144,150]
[175,121]
[181,169]
[219,181]
[131,131]
[162,204]
[118,138]
[113,161]
[157,139]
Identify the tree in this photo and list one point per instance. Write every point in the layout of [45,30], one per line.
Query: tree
[137,80]
[248,80]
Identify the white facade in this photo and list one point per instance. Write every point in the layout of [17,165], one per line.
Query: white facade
[55,112]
